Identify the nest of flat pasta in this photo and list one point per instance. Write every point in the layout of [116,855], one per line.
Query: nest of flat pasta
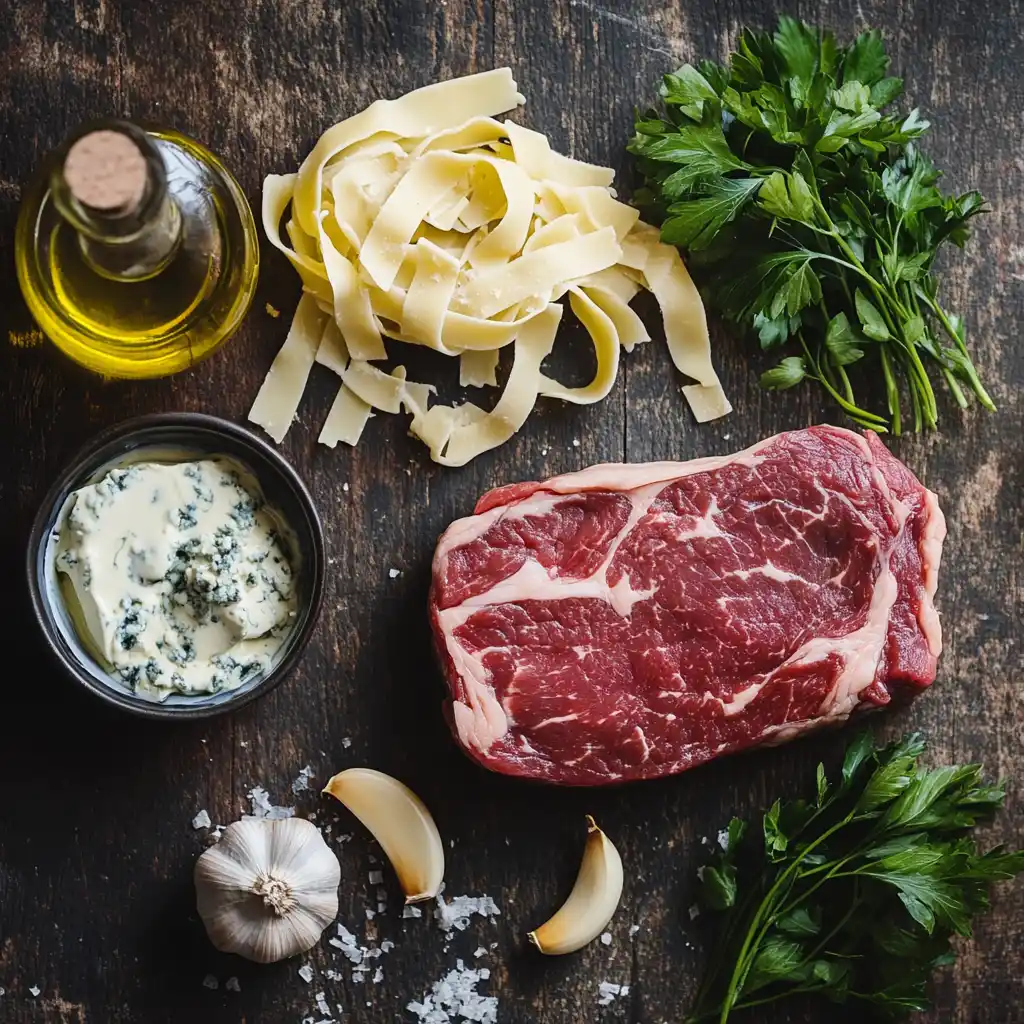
[427,221]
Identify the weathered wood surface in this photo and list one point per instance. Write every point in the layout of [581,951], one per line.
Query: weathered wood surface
[96,849]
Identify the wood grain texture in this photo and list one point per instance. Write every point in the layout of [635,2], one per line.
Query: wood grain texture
[96,849]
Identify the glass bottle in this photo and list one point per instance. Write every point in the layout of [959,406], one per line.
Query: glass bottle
[136,250]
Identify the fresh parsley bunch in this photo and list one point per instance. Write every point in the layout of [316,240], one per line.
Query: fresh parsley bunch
[856,893]
[812,216]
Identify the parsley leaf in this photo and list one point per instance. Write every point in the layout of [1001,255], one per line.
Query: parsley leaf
[695,224]
[856,896]
[812,218]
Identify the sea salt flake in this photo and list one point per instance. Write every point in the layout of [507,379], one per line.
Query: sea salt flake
[378,975]
[455,916]
[347,742]
[208,982]
[633,929]
[332,975]
[480,951]
[263,808]
[301,782]
[700,872]
[455,998]
[394,573]
[370,914]
[376,877]
[35,989]
[386,946]
[608,991]
[694,911]
[575,442]
[232,985]
[306,973]
[412,912]
[201,820]
[606,938]
[322,1004]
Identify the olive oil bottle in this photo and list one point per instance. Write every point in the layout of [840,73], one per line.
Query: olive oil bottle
[136,250]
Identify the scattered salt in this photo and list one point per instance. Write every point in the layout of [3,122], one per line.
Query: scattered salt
[232,985]
[394,573]
[633,929]
[301,783]
[208,982]
[456,915]
[606,938]
[575,442]
[480,951]
[376,877]
[700,872]
[378,975]
[306,973]
[263,808]
[322,1004]
[35,989]
[202,820]
[412,912]
[347,742]
[386,946]
[455,997]
[723,839]
[608,991]
[694,911]
[382,907]
[332,975]
[344,486]
[370,914]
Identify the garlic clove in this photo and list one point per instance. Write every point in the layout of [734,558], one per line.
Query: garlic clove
[400,822]
[268,888]
[592,902]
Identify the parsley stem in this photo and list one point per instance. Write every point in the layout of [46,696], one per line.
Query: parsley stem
[891,391]
[751,943]
[865,418]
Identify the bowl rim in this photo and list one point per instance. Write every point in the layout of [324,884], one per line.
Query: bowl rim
[78,466]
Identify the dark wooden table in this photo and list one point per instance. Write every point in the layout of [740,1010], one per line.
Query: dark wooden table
[96,846]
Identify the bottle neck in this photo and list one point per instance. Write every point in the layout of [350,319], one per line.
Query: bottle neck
[110,184]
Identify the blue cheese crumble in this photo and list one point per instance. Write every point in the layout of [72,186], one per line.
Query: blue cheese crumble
[180,575]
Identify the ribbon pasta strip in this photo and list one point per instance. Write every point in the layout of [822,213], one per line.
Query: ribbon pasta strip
[426,220]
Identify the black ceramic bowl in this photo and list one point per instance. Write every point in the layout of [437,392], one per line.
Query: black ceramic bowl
[176,437]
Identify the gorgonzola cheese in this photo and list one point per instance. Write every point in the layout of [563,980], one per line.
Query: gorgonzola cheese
[181,576]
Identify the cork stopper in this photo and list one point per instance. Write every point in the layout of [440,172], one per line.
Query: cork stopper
[106,172]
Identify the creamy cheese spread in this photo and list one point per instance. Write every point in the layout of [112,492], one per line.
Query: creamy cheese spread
[180,575]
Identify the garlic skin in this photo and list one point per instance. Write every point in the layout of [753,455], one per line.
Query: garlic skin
[268,888]
[592,902]
[400,822]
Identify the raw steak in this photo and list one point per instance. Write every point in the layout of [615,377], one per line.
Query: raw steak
[632,621]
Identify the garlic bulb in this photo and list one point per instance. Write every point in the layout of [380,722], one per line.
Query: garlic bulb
[268,889]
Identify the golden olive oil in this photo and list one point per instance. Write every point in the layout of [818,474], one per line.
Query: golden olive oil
[136,250]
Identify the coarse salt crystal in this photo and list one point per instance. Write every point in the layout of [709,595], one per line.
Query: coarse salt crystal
[370,914]
[575,442]
[201,820]
[412,912]
[456,914]
[263,808]
[394,573]
[306,973]
[607,992]
[332,975]
[376,877]
[301,783]
[232,985]
[35,989]
[633,929]
[694,911]
[378,975]
[347,742]
[322,1004]
[480,951]
[208,982]
[606,938]
[344,486]
[455,997]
